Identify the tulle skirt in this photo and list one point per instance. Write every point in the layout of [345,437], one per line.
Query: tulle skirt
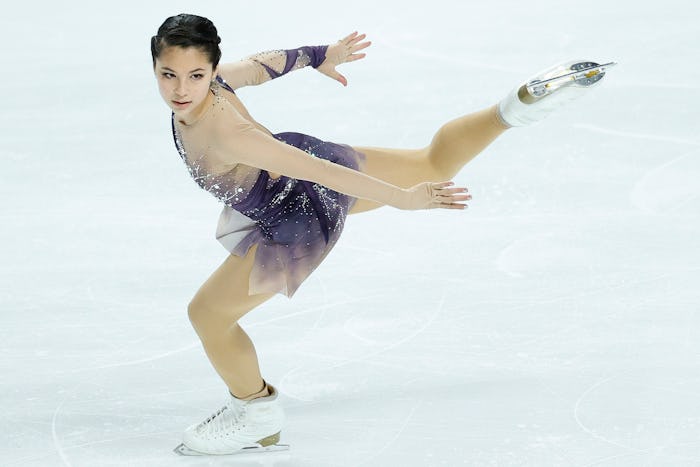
[295,224]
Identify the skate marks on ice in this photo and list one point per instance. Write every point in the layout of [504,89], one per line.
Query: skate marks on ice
[652,414]
[633,135]
[390,442]
[303,383]
[546,252]
[57,444]
[311,310]
[193,345]
[87,428]
[328,389]
[670,187]
[69,431]
[667,187]
[64,448]
[433,55]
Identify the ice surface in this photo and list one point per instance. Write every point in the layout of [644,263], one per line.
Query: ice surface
[555,323]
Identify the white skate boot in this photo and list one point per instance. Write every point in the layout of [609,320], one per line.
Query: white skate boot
[549,90]
[239,426]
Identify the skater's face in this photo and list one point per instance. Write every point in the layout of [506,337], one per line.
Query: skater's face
[184,75]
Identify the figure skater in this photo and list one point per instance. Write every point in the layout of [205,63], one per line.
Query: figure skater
[286,195]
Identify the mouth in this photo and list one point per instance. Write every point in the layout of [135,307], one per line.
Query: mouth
[181,104]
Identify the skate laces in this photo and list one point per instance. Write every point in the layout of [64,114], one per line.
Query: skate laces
[225,420]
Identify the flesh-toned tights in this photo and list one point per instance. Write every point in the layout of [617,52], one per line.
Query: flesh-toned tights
[223,299]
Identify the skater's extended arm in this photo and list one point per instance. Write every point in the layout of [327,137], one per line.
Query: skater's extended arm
[249,146]
[266,66]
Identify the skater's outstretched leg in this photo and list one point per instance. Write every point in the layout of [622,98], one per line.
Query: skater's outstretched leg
[454,144]
[460,140]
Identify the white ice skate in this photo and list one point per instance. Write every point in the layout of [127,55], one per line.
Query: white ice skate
[550,89]
[238,427]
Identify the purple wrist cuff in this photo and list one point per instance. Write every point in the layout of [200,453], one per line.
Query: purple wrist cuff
[316,53]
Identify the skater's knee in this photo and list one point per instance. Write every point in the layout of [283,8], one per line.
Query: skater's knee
[436,162]
[210,320]
[437,169]
[203,316]
[196,312]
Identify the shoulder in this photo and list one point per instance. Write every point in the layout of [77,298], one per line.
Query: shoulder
[226,121]
[227,132]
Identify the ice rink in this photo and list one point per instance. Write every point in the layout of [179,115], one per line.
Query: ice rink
[554,323]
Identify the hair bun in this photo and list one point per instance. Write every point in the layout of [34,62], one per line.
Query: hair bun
[185,30]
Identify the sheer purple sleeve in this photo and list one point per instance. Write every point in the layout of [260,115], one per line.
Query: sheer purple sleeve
[265,66]
[280,62]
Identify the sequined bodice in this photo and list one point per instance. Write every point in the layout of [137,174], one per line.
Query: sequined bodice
[230,187]
[268,201]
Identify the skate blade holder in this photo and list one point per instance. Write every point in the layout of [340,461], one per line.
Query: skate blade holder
[247,451]
[583,73]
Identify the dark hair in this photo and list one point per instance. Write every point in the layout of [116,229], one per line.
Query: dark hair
[186,30]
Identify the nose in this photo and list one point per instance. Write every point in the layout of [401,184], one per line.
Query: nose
[180,88]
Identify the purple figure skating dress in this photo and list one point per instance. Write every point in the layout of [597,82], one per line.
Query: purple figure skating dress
[294,223]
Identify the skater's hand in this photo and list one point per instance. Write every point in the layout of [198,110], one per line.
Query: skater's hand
[345,50]
[432,195]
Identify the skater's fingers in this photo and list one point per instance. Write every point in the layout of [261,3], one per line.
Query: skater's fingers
[450,198]
[340,78]
[441,185]
[446,188]
[451,191]
[356,39]
[353,57]
[348,38]
[451,206]
[360,46]
[447,185]
[331,72]
[436,195]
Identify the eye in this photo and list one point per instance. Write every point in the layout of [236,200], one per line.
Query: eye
[167,75]
[197,76]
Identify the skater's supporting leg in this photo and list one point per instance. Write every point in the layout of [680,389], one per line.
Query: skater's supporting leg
[453,146]
[214,312]
[252,418]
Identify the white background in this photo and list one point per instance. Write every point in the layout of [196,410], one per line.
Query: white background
[554,323]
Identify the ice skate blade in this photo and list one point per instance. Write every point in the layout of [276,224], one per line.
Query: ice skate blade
[582,74]
[185,451]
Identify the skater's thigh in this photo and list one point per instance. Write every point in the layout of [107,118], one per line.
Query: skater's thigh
[224,295]
[401,167]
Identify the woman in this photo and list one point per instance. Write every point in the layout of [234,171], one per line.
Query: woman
[287,195]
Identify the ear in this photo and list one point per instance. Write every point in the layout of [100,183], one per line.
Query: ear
[215,73]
